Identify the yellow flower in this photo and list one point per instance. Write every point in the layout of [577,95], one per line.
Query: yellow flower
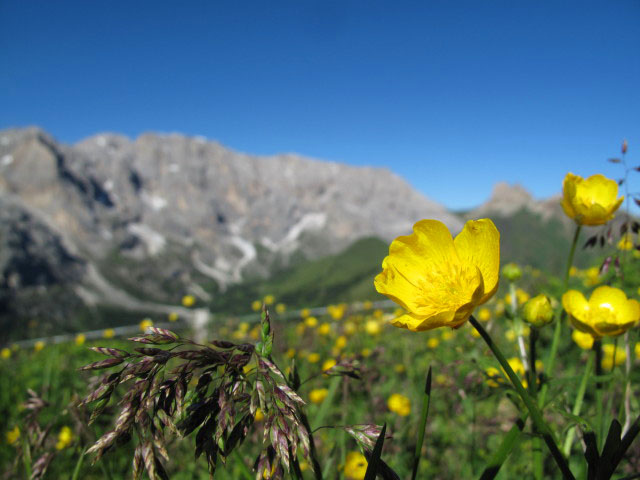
[188,300]
[583,340]
[80,339]
[65,437]
[311,322]
[399,368]
[355,466]
[439,280]
[324,329]
[538,311]
[269,299]
[341,342]
[447,335]
[350,328]
[484,314]
[399,404]
[5,353]
[281,308]
[626,242]
[608,352]
[592,277]
[39,345]
[305,312]
[313,358]
[317,395]
[259,416]
[291,353]
[512,272]
[590,201]
[608,311]
[328,364]
[13,435]
[441,379]
[573,271]
[368,305]
[173,317]
[372,327]
[637,350]
[433,342]
[256,305]
[365,352]
[146,323]
[494,377]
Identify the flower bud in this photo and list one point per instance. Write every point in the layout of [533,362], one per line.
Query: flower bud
[511,272]
[538,311]
[624,146]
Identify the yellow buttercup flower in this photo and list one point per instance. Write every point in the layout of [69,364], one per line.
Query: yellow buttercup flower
[173,317]
[591,201]
[256,305]
[188,300]
[324,329]
[259,416]
[626,242]
[5,353]
[433,342]
[313,358]
[108,333]
[328,364]
[311,322]
[608,311]
[608,353]
[355,466]
[582,339]
[39,345]
[65,437]
[538,311]
[146,323]
[592,277]
[318,395]
[372,327]
[281,308]
[637,350]
[494,377]
[269,299]
[573,271]
[399,404]
[305,312]
[439,280]
[484,314]
[13,435]
[367,305]
[349,327]
[80,339]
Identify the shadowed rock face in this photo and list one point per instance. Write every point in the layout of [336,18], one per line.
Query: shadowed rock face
[223,214]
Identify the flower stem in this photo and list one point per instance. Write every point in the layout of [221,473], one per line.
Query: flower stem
[627,391]
[536,415]
[578,405]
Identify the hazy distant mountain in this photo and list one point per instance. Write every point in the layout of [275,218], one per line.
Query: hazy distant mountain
[155,217]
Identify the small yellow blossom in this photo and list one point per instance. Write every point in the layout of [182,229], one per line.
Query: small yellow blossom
[173,317]
[499,308]
[188,300]
[583,340]
[592,277]
[475,333]
[355,466]
[256,305]
[494,377]
[291,353]
[378,313]
[368,305]
[80,339]
[39,345]
[608,352]
[146,323]
[65,437]
[317,395]
[341,342]
[300,328]
[439,280]
[5,353]
[365,352]
[13,435]
[254,333]
[259,416]
[626,242]
[484,314]
[269,299]
[433,342]
[337,311]
[512,272]
[637,350]
[324,329]
[447,335]
[441,379]
[399,404]
[311,322]
[538,311]
[108,333]
[372,327]
[305,312]
[349,327]
[608,311]
[328,364]
[313,358]
[281,308]
[591,201]
[573,271]
[399,368]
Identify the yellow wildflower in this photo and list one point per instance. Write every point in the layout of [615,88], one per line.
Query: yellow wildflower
[313,358]
[146,323]
[372,327]
[475,333]
[311,322]
[254,333]
[13,435]
[626,242]
[441,379]
[399,404]
[108,333]
[368,305]
[305,312]
[494,377]
[269,299]
[355,466]
[80,339]
[39,345]
[188,300]
[538,311]
[65,437]
[341,342]
[300,328]
[433,342]
[365,352]
[173,317]
[324,329]
[447,335]
[399,368]
[437,279]
[281,308]
[591,201]
[256,305]
[499,308]
[573,271]
[291,353]
[328,364]
[259,416]
[582,339]
[592,277]
[349,327]
[608,353]
[637,350]
[608,311]
[484,314]
[512,272]
[5,353]
[317,395]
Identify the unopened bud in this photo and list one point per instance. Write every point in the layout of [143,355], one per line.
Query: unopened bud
[511,272]
[624,146]
[538,311]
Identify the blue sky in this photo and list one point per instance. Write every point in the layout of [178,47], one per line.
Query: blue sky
[453,96]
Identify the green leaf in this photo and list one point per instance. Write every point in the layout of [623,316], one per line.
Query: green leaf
[423,424]
[374,460]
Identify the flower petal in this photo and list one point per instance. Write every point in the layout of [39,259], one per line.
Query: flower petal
[479,244]
[577,307]
[417,323]
[569,193]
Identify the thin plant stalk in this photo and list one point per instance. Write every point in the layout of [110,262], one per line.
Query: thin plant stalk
[426,400]
[538,461]
[536,415]
[627,390]
[577,406]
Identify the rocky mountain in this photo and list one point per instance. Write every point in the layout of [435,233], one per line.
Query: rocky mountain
[121,221]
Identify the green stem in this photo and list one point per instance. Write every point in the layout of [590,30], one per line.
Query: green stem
[536,415]
[423,424]
[538,461]
[571,254]
[597,347]
[577,406]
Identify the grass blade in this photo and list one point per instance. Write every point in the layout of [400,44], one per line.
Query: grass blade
[372,467]
[423,425]
[500,456]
